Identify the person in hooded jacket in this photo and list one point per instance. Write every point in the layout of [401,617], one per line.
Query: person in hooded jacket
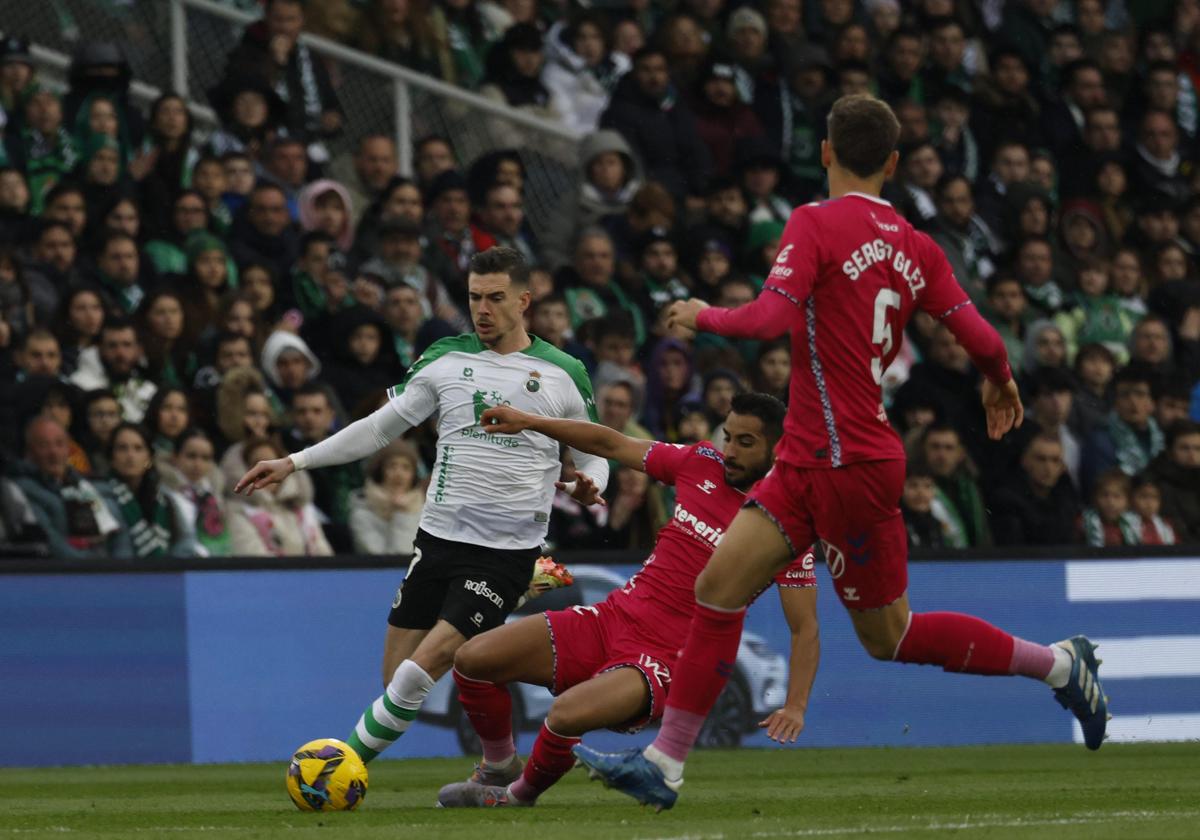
[581,70]
[100,68]
[609,180]
[288,363]
[325,205]
[364,356]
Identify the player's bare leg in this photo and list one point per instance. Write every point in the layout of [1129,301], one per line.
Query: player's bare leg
[399,644]
[881,630]
[420,657]
[752,551]
[516,652]
[608,699]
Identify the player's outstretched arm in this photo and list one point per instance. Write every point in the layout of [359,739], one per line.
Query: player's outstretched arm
[800,609]
[767,317]
[353,443]
[593,438]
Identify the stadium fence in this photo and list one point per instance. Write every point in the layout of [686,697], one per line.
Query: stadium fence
[182,45]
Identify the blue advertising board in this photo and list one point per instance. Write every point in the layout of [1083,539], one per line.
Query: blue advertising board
[245,666]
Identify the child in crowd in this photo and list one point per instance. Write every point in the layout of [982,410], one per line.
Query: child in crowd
[916,504]
[1147,524]
[1107,521]
[1094,368]
[1097,317]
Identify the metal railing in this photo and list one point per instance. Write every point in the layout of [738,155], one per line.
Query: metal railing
[53,66]
[183,45]
[407,106]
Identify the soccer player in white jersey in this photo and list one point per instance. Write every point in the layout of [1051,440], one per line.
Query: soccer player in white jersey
[488,504]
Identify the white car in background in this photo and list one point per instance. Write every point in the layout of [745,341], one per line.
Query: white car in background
[758,685]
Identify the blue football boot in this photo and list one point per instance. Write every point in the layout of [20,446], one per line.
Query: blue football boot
[630,772]
[1083,695]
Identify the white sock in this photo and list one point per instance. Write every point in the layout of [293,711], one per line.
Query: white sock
[1060,671]
[672,767]
[392,713]
[499,765]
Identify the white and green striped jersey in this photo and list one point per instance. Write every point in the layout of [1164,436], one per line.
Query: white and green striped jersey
[491,489]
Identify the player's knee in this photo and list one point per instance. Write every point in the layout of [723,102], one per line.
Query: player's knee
[565,719]
[471,660]
[879,644]
[713,590]
[708,587]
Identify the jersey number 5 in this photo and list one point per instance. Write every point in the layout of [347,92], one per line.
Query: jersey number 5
[881,332]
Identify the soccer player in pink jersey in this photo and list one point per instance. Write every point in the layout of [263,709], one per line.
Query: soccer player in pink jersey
[610,664]
[849,274]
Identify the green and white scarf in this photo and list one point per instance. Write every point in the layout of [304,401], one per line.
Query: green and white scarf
[1093,528]
[1048,296]
[151,537]
[1131,457]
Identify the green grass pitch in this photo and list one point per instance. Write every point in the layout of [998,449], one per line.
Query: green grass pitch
[1062,792]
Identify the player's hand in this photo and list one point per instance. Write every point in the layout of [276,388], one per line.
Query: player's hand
[504,420]
[783,725]
[1002,403]
[681,317]
[582,490]
[264,474]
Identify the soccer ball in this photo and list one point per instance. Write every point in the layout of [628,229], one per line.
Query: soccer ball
[326,775]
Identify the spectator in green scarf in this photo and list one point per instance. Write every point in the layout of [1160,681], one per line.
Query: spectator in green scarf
[148,514]
[42,147]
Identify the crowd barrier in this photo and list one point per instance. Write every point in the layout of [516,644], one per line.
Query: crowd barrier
[211,665]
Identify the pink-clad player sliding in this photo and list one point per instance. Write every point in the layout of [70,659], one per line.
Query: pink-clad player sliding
[609,664]
[849,275]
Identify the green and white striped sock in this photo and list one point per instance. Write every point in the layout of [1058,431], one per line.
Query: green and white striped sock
[392,713]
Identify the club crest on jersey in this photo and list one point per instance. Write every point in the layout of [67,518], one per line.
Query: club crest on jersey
[468,373]
[534,382]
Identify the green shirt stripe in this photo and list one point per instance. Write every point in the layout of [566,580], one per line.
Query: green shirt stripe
[574,368]
[466,343]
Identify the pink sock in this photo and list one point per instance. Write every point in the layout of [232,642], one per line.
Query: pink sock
[700,674]
[1030,659]
[549,761]
[960,643]
[489,708]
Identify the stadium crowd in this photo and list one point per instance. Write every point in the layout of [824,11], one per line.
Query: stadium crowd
[175,307]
